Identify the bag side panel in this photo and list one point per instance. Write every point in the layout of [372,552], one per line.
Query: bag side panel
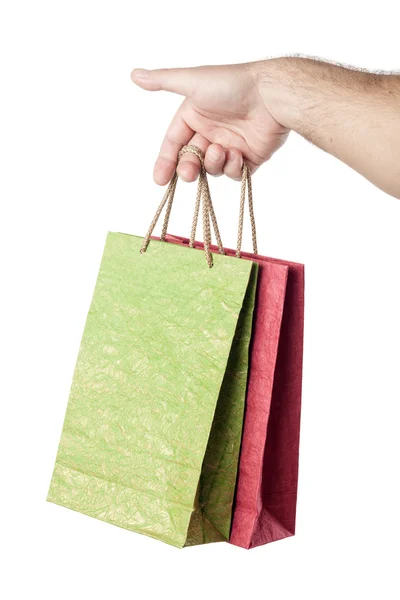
[278,492]
[219,470]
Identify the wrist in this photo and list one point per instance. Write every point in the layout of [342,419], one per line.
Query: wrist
[277,81]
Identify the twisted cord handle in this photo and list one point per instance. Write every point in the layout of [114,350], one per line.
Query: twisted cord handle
[246,181]
[202,197]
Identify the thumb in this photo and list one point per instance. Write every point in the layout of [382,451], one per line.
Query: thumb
[179,81]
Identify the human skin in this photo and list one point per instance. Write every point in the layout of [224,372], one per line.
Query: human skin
[246,111]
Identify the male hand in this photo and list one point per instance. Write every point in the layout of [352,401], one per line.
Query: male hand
[223,114]
[245,112]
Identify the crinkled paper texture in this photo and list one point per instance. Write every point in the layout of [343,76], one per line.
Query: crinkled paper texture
[152,431]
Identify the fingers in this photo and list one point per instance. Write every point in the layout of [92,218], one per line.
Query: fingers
[233,164]
[179,81]
[214,159]
[217,159]
[189,165]
[179,133]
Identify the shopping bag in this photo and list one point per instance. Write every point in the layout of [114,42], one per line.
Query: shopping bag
[265,503]
[152,431]
[266,497]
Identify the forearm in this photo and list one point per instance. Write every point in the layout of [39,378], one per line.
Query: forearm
[351,114]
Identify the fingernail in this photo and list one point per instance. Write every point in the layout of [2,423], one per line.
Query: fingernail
[214,155]
[230,156]
[140,73]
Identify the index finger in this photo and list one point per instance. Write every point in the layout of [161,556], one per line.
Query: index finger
[178,135]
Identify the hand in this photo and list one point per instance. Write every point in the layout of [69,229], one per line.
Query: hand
[223,114]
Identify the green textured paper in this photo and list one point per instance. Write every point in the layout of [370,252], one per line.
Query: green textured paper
[152,431]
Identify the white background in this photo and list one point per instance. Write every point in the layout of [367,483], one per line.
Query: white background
[78,141]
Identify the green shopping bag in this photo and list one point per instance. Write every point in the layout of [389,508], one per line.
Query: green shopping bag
[152,430]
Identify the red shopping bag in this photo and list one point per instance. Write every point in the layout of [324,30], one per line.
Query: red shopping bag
[265,508]
[266,492]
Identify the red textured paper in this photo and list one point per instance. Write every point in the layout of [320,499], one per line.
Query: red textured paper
[266,494]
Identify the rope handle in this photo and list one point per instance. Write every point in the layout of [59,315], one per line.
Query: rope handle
[202,197]
[246,182]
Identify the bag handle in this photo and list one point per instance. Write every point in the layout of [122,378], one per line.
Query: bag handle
[203,194]
[246,182]
[203,197]
[246,179]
